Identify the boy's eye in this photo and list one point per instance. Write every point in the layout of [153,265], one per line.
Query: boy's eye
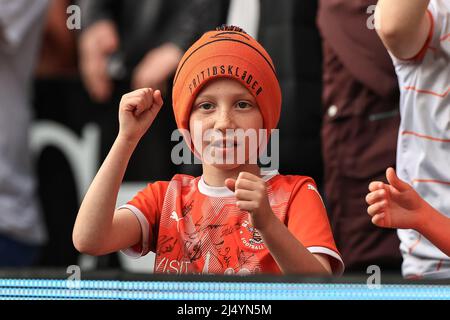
[243,105]
[206,106]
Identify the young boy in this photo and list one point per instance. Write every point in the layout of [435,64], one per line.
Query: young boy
[417,34]
[231,220]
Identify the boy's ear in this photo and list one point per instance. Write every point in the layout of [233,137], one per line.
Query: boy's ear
[230,184]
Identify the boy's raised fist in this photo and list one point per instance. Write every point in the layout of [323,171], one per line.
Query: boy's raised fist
[137,111]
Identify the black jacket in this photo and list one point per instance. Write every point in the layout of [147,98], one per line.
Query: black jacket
[288,32]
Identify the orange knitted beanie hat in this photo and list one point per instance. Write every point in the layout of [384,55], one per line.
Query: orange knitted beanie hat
[227,52]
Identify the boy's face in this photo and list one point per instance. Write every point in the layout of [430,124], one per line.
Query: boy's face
[224,119]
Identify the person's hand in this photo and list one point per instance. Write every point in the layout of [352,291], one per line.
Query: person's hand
[395,205]
[251,196]
[137,111]
[97,43]
[156,67]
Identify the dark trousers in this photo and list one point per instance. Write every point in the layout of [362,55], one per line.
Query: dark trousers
[17,254]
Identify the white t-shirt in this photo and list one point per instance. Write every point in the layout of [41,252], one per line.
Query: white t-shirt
[423,150]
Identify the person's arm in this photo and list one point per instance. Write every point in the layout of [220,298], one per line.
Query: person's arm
[403,26]
[96,44]
[291,256]
[398,205]
[436,228]
[156,67]
[98,40]
[99,229]
[187,22]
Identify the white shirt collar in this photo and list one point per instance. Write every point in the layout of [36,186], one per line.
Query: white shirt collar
[223,192]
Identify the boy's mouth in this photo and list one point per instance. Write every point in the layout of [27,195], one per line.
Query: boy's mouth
[225,143]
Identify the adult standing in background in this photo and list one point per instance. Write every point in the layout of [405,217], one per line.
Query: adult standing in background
[359,133]
[22,231]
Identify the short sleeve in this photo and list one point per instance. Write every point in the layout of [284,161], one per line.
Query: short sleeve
[308,222]
[146,205]
[440,15]
[433,40]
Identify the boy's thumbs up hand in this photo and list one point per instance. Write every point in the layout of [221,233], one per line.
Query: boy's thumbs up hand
[251,195]
[137,111]
[395,181]
[394,205]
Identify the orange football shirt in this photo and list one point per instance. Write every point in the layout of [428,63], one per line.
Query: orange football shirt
[196,228]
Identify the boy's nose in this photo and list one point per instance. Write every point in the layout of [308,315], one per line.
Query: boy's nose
[224,121]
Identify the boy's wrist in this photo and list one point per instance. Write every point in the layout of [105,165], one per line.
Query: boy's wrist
[423,218]
[127,142]
[268,225]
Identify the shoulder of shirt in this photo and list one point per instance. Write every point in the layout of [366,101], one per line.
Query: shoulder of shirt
[292,180]
[433,11]
[178,181]
[184,180]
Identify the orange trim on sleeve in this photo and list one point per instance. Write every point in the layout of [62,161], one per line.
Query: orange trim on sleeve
[414,277]
[439,265]
[444,38]
[411,133]
[430,181]
[411,249]
[421,54]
